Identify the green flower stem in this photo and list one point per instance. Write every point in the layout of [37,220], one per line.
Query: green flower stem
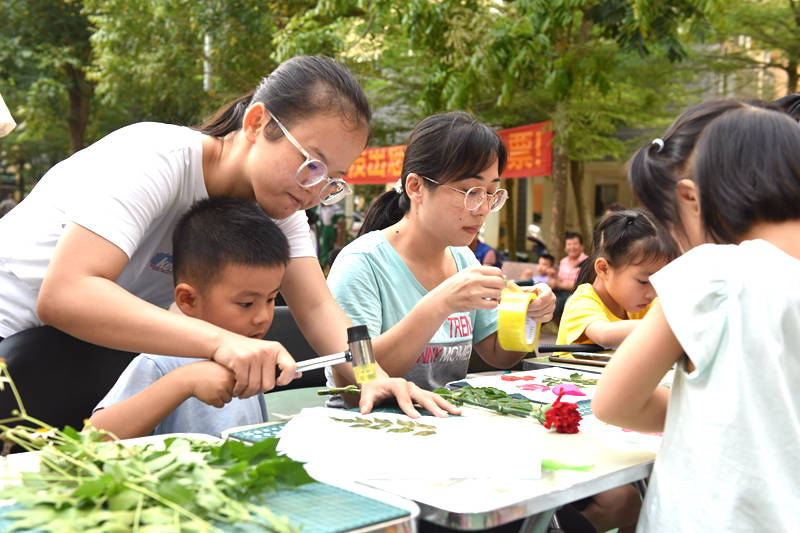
[25,444]
[350,389]
[167,503]
[137,515]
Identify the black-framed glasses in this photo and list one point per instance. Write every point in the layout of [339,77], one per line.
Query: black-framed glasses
[475,196]
[312,172]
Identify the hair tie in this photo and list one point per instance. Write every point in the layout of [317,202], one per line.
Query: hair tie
[659,142]
[398,186]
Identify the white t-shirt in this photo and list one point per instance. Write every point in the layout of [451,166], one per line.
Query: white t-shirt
[130,188]
[730,457]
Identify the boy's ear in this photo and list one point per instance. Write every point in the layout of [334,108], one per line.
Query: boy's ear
[601,267]
[187,298]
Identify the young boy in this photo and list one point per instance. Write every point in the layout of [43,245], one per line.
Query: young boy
[545,271]
[228,262]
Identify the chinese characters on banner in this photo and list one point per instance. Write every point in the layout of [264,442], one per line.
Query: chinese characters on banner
[529,149]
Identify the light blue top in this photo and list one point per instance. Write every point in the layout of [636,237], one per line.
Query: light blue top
[192,416]
[375,288]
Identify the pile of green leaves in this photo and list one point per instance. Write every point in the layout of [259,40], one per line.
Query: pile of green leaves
[489,398]
[86,483]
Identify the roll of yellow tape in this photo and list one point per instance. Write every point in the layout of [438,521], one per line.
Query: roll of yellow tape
[515,330]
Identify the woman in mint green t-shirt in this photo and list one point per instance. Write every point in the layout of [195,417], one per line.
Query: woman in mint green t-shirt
[410,276]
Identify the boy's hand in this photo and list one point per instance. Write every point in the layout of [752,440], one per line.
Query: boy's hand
[210,382]
[253,362]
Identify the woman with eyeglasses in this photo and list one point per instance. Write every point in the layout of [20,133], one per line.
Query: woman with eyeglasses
[410,275]
[89,250]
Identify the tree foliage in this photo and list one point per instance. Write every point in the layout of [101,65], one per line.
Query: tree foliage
[771,27]
[150,56]
[44,48]
[580,62]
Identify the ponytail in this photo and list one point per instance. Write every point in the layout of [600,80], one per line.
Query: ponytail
[586,274]
[387,209]
[790,104]
[228,118]
[656,167]
[623,238]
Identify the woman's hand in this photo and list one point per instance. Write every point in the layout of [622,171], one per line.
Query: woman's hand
[406,394]
[541,309]
[469,289]
[253,362]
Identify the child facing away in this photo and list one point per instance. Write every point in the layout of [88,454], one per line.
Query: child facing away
[228,263]
[726,177]
[613,291]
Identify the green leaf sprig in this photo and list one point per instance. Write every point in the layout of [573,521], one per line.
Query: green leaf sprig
[489,398]
[575,378]
[397,426]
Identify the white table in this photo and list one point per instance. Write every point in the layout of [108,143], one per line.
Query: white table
[618,457]
[472,504]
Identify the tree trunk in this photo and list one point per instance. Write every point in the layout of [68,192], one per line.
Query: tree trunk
[80,92]
[791,70]
[520,213]
[585,217]
[511,227]
[560,171]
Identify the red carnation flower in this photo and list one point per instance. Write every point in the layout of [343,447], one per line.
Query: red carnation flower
[564,416]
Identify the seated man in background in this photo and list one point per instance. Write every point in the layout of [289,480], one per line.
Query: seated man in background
[568,270]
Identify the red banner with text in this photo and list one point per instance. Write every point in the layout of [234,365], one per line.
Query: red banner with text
[529,149]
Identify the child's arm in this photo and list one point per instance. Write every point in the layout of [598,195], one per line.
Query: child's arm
[610,334]
[139,414]
[628,394]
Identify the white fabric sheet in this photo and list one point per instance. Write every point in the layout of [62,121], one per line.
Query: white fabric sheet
[462,447]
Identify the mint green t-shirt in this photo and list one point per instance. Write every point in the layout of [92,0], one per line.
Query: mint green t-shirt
[375,288]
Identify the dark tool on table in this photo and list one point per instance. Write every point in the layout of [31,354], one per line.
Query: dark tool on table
[585,354]
[359,352]
[588,348]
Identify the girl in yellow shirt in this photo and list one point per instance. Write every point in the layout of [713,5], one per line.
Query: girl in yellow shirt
[613,290]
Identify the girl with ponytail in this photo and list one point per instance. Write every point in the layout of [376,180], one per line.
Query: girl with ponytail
[410,276]
[613,291]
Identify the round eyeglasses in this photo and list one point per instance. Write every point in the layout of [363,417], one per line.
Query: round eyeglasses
[474,197]
[312,172]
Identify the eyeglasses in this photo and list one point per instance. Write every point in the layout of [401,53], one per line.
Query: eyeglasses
[312,172]
[475,196]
